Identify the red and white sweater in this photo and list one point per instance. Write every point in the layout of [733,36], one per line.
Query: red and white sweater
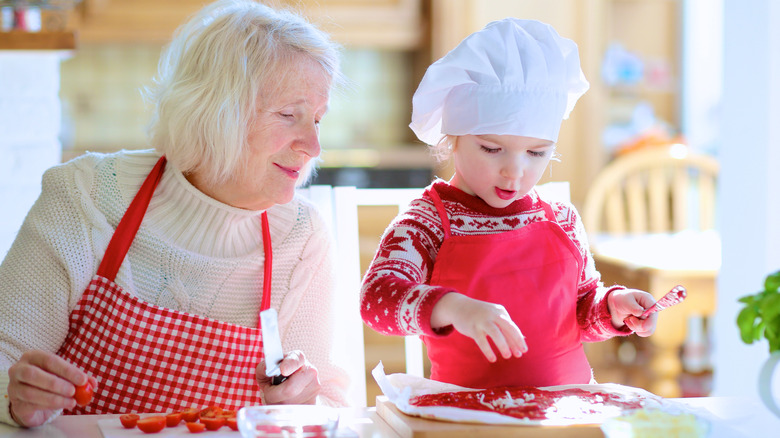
[396,299]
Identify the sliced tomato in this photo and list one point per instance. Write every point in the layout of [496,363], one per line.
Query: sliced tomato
[129,420]
[213,423]
[83,394]
[190,415]
[210,412]
[152,424]
[173,420]
[232,423]
[196,427]
[228,413]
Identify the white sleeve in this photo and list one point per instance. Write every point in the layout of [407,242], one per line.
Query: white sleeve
[308,310]
[44,273]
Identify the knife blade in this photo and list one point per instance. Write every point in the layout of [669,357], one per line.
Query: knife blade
[272,345]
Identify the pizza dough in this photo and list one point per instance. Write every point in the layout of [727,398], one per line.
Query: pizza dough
[553,405]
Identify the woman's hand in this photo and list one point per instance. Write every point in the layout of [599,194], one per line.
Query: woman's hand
[625,306]
[480,320]
[40,384]
[300,388]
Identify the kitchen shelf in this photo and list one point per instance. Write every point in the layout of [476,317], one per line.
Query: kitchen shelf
[19,40]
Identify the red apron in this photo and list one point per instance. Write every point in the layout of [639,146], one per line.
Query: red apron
[148,358]
[533,272]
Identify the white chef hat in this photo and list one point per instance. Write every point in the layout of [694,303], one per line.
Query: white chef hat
[515,77]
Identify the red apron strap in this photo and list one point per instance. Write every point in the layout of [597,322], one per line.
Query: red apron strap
[266,302]
[548,211]
[445,220]
[129,224]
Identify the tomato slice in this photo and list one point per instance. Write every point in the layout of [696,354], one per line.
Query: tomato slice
[83,394]
[196,427]
[228,413]
[213,423]
[190,415]
[129,420]
[232,423]
[210,412]
[152,424]
[173,420]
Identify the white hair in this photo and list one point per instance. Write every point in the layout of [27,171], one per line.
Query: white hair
[211,74]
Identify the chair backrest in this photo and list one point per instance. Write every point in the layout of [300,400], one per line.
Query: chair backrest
[413,349]
[657,190]
[338,206]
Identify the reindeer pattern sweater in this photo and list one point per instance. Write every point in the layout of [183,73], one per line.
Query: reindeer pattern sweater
[396,298]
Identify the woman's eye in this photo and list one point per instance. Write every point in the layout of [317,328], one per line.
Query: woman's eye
[287,115]
[489,150]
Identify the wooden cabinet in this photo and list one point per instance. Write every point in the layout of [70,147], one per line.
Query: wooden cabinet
[650,29]
[392,24]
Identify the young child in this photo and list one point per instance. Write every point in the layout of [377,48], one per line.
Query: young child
[497,280]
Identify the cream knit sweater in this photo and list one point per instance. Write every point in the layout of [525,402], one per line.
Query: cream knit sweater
[192,253]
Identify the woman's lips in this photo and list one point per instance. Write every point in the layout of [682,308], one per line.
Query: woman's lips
[291,172]
[505,194]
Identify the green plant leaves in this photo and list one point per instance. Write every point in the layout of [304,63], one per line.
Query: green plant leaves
[760,318]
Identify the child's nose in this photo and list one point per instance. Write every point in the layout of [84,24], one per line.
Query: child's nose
[514,168]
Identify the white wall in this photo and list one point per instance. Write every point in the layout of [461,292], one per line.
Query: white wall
[749,192]
[29,129]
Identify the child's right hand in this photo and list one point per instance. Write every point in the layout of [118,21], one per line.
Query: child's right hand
[480,320]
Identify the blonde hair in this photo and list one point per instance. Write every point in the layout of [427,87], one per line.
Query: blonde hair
[442,151]
[211,74]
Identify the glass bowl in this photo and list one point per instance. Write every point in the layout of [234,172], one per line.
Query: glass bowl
[653,423]
[288,421]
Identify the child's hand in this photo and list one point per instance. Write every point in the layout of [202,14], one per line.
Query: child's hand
[625,306]
[480,320]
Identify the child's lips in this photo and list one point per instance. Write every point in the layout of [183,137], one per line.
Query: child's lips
[505,194]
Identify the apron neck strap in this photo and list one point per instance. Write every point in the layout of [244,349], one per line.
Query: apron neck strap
[130,223]
[267,265]
[445,220]
[548,211]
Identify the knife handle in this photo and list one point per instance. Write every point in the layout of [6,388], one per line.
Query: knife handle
[275,380]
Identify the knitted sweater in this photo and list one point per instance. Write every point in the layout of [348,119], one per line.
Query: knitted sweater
[396,298]
[192,253]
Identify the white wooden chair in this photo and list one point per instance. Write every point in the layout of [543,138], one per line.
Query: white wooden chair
[401,198]
[338,206]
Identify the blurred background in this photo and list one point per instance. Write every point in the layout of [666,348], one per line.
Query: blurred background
[701,74]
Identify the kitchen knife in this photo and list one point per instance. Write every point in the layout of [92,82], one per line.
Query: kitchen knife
[272,345]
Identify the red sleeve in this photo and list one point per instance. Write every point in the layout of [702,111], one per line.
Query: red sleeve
[593,315]
[395,298]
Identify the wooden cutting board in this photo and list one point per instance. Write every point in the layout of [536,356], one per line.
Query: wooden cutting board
[414,427]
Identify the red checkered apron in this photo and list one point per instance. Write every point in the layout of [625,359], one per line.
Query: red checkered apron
[152,359]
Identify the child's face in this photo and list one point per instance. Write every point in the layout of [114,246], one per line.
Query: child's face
[499,168]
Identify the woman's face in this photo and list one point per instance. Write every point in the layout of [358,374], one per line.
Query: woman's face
[499,168]
[282,139]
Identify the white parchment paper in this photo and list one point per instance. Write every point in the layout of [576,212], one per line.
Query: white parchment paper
[400,388]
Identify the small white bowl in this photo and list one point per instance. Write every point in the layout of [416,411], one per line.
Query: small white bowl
[288,421]
[653,423]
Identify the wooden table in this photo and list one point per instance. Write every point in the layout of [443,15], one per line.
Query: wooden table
[729,417]
[657,263]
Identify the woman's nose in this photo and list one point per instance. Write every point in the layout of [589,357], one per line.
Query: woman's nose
[309,141]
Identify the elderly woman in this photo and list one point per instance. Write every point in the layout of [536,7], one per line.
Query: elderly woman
[142,273]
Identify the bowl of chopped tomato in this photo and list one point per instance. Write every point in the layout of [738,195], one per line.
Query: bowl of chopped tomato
[288,421]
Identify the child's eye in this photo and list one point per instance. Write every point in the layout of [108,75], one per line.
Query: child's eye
[538,154]
[489,150]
